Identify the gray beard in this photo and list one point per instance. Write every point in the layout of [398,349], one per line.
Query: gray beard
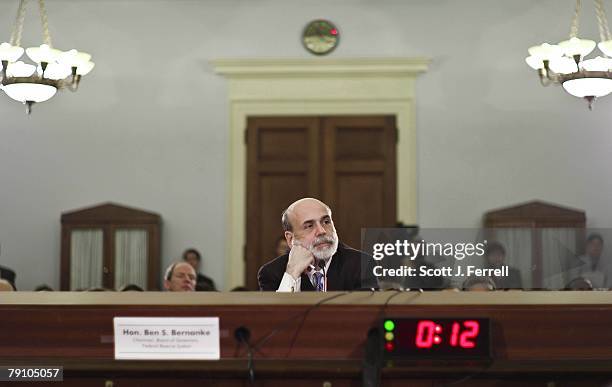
[327,253]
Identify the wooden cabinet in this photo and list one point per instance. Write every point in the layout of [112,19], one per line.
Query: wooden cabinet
[539,239]
[109,246]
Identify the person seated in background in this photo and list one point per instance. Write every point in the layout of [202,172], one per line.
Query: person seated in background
[579,284]
[590,265]
[6,286]
[131,288]
[478,284]
[495,256]
[180,277]
[282,247]
[43,288]
[9,275]
[317,260]
[203,283]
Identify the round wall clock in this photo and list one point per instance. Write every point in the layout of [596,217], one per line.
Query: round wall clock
[320,37]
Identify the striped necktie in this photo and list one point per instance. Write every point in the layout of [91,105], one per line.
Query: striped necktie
[318,279]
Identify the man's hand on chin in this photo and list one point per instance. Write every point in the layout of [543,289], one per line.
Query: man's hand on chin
[299,260]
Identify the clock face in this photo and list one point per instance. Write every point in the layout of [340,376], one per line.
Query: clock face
[320,37]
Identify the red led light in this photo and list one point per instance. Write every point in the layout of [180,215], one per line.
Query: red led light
[437,339]
[333,31]
[389,346]
[438,328]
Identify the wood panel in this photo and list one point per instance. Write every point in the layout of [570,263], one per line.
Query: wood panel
[278,190]
[547,335]
[363,201]
[282,164]
[360,154]
[556,342]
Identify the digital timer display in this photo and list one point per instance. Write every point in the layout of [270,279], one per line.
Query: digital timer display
[437,338]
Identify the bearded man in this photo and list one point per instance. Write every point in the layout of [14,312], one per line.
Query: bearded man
[317,261]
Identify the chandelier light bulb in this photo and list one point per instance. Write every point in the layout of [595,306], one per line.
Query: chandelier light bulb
[29,92]
[545,51]
[43,53]
[588,87]
[85,68]
[605,47]
[597,64]
[20,69]
[563,65]
[576,46]
[10,53]
[54,71]
[535,62]
[74,58]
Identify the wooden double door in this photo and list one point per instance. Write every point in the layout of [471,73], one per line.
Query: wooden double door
[348,162]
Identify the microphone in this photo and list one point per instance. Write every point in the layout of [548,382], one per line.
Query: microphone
[242,335]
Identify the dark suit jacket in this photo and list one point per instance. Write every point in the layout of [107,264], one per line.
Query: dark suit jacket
[512,281]
[205,284]
[344,272]
[8,274]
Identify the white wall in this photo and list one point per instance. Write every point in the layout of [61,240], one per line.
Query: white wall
[149,126]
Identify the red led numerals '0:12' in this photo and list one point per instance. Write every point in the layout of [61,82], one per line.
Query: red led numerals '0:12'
[426,334]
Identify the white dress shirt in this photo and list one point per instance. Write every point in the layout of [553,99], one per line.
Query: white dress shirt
[290,284]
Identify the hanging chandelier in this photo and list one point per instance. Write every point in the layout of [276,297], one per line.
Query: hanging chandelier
[565,64]
[53,69]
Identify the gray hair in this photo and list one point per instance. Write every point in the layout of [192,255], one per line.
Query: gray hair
[170,271]
[285,220]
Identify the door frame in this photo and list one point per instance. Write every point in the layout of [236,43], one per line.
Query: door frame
[322,87]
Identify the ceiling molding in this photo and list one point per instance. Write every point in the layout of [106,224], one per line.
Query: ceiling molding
[319,67]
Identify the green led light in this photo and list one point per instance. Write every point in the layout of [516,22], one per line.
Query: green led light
[389,325]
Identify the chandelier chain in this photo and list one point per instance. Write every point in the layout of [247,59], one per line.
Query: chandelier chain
[18,27]
[602,20]
[45,23]
[576,20]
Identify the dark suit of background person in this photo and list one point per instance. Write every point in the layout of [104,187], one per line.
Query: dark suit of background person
[310,232]
[203,283]
[344,272]
[9,275]
[495,256]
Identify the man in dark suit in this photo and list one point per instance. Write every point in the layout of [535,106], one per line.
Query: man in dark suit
[317,260]
[8,274]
